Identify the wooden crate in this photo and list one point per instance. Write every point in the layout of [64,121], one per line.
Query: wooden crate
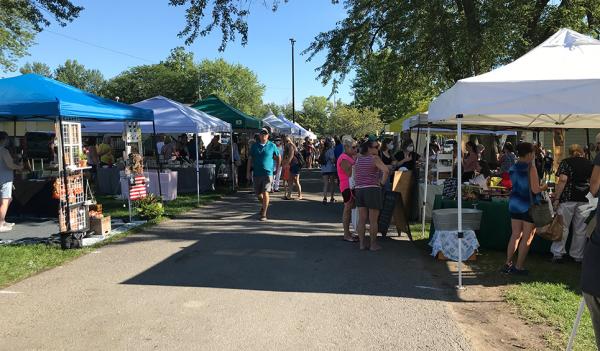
[101,226]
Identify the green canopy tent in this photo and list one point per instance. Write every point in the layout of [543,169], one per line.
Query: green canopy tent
[218,108]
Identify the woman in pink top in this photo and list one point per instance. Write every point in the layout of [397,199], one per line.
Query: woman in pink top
[344,171]
[370,175]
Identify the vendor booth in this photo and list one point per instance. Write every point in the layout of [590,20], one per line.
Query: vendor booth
[244,125]
[555,85]
[281,126]
[171,118]
[53,158]
[302,133]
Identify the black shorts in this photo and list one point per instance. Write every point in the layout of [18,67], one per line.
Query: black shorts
[347,195]
[525,216]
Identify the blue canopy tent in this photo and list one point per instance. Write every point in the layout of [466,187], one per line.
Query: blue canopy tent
[32,97]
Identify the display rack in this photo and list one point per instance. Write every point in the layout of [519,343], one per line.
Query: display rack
[73,213]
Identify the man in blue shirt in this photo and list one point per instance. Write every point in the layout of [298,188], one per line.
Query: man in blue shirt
[264,156]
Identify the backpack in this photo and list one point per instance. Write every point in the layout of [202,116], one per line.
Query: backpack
[300,159]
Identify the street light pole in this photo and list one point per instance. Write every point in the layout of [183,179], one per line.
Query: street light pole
[292,40]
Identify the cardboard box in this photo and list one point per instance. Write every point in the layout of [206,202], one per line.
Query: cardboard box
[101,226]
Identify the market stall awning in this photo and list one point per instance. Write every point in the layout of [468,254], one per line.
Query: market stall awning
[169,117]
[283,127]
[302,132]
[218,108]
[421,121]
[34,97]
[555,85]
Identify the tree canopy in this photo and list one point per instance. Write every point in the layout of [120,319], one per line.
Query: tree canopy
[179,78]
[432,44]
[36,67]
[21,20]
[75,74]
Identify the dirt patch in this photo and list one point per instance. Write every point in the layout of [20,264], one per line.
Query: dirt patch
[482,312]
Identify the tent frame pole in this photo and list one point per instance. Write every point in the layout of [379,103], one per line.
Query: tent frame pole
[426,180]
[197,169]
[233,173]
[460,233]
[159,169]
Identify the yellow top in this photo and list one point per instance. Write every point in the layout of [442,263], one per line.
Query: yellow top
[106,151]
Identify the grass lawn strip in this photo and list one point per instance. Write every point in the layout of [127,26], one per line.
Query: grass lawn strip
[555,305]
[18,262]
[550,296]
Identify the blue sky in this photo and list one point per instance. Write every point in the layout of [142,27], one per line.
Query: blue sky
[148,29]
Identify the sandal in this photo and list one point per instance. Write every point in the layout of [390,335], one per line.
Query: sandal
[353,239]
[332,200]
[324,201]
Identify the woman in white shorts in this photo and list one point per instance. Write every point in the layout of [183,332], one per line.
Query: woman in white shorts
[7,166]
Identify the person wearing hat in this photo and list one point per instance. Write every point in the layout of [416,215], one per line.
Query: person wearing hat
[570,200]
[264,157]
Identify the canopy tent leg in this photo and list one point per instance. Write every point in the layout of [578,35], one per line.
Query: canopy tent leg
[587,137]
[426,179]
[576,324]
[197,169]
[159,169]
[459,195]
[233,173]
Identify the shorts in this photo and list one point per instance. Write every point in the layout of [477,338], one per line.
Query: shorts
[6,190]
[262,184]
[347,195]
[329,174]
[371,198]
[294,170]
[525,216]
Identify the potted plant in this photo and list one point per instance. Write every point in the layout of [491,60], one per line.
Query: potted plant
[82,159]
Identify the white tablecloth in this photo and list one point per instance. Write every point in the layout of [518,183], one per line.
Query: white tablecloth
[168,182]
[447,243]
[432,191]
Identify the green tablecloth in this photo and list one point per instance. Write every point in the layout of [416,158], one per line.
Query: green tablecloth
[495,229]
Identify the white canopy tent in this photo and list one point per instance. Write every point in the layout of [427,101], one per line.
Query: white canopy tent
[169,117]
[302,133]
[555,85]
[279,125]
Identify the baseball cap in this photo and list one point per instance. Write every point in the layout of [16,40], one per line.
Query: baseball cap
[264,131]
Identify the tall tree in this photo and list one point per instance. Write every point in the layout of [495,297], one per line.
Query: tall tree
[36,67]
[234,83]
[143,82]
[75,74]
[435,42]
[316,112]
[351,120]
[180,79]
[21,20]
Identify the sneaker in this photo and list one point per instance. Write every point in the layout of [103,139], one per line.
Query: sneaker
[263,218]
[506,268]
[558,260]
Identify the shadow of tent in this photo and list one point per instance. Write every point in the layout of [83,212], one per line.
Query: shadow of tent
[311,264]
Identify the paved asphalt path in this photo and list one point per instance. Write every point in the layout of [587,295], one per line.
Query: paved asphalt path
[218,279]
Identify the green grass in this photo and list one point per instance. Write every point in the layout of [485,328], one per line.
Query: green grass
[183,203]
[554,305]
[18,262]
[549,296]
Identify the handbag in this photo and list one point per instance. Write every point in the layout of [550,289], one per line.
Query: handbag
[552,231]
[540,213]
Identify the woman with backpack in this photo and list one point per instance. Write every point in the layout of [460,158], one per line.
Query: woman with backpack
[328,170]
[292,163]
